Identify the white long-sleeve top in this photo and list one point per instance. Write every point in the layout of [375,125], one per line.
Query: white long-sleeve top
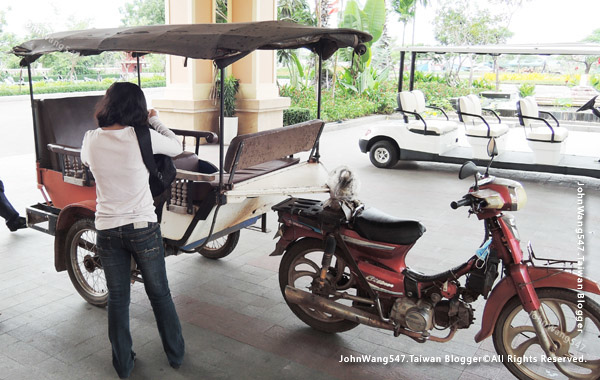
[122,191]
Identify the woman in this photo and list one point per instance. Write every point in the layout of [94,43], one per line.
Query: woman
[126,221]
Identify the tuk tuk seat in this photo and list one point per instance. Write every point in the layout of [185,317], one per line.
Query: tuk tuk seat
[248,156]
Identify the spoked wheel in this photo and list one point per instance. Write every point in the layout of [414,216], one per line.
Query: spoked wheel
[221,247]
[383,154]
[574,327]
[83,263]
[299,268]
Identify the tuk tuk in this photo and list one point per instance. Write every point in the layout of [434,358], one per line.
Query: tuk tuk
[208,205]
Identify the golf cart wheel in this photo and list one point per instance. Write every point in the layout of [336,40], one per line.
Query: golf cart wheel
[383,154]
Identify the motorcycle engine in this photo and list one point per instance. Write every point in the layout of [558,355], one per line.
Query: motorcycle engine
[453,313]
[416,315]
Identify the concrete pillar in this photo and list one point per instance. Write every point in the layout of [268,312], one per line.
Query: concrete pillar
[259,106]
[187,102]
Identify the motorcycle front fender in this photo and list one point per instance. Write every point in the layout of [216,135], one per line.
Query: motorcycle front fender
[540,278]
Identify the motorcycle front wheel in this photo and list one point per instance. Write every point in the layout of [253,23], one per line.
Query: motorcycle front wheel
[299,267]
[574,327]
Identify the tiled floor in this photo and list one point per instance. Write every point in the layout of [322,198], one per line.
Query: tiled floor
[235,321]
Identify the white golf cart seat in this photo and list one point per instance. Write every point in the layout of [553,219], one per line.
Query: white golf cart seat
[477,129]
[413,103]
[546,141]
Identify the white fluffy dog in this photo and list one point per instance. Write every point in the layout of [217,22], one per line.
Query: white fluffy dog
[343,188]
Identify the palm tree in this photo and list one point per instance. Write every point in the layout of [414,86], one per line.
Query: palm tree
[407,11]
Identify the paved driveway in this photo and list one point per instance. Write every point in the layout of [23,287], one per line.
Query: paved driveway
[235,321]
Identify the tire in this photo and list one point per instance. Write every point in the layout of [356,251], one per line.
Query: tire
[560,305]
[83,263]
[307,255]
[221,247]
[383,154]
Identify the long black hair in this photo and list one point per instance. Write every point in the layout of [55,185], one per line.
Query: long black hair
[124,103]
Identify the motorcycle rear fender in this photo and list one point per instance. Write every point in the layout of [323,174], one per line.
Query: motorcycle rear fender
[289,235]
[541,278]
[67,216]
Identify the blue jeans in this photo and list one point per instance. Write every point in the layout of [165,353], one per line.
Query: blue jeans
[7,211]
[116,246]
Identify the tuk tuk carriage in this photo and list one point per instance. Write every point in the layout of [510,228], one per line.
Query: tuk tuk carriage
[207,205]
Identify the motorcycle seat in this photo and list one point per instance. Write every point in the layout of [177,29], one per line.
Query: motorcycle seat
[444,276]
[376,225]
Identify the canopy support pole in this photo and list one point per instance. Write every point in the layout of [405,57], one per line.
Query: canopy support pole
[317,155]
[138,71]
[401,71]
[35,137]
[221,128]
[413,60]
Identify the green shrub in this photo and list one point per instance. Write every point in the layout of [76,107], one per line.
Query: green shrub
[381,99]
[526,89]
[294,115]
[595,81]
[42,87]
[231,87]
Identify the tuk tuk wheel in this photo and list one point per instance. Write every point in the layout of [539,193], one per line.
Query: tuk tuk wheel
[221,247]
[83,263]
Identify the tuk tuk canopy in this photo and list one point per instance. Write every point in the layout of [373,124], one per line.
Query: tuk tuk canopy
[222,43]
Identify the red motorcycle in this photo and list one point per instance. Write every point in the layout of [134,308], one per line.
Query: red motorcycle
[344,265]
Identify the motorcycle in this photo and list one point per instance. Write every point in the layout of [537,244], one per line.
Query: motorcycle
[344,265]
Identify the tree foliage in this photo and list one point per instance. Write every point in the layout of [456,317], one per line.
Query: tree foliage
[143,12]
[297,11]
[7,41]
[460,23]
[589,61]
[406,10]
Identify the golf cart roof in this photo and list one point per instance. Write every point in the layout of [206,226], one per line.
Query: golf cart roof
[537,49]
[223,43]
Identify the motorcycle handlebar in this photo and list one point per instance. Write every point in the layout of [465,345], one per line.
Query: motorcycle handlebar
[460,203]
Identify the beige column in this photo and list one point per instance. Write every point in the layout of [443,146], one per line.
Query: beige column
[187,103]
[259,106]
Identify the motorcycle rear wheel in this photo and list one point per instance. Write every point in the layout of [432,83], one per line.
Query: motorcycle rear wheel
[516,341]
[299,267]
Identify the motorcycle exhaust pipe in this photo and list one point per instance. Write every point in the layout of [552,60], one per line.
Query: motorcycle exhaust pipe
[302,298]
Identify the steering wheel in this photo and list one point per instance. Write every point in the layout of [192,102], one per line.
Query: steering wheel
[590,106]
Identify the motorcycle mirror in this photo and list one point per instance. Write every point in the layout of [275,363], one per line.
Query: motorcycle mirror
[492,148]
[468,169]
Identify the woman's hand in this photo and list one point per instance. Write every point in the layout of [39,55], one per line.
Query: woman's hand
[152,112]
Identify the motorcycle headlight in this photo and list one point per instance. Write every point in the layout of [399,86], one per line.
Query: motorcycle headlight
[518,197]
